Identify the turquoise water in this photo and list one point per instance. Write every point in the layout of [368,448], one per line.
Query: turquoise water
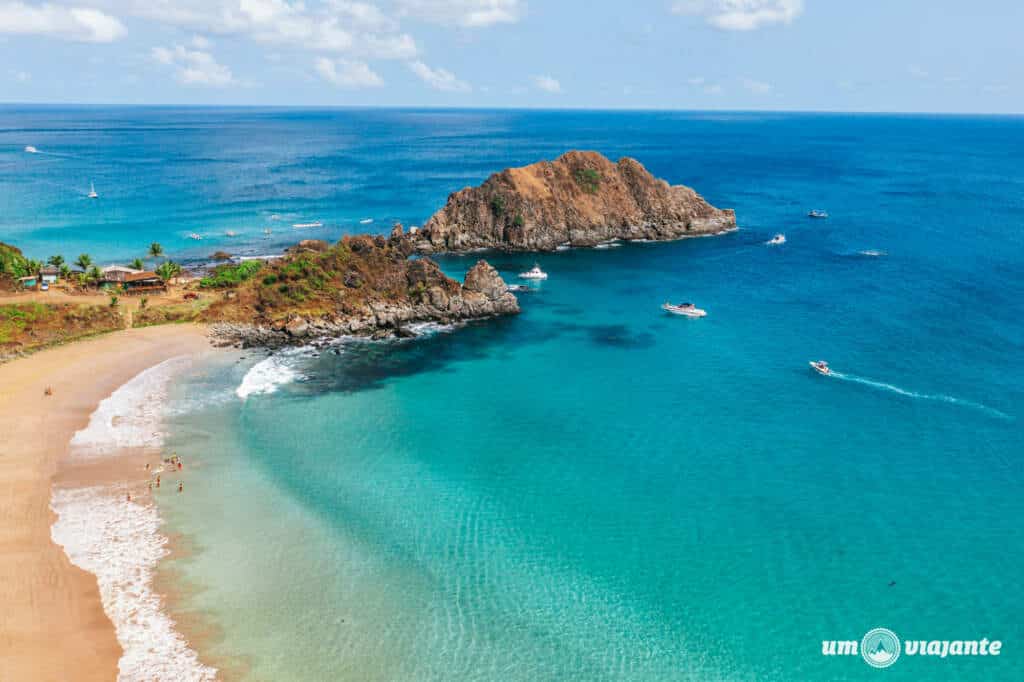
[595,490]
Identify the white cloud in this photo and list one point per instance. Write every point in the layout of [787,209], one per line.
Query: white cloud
[68,23]
[547,84]
[439,79]
[201,42]
[364,15]
[917,71]
[195,67]
[696,80]
[741,15]
[757,87]
[465,13]
[348,74]
[714,89]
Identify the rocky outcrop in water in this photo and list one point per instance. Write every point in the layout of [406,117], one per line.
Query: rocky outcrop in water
[580,199]
[392,293]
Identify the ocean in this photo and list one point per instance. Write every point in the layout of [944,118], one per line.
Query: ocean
[592,489]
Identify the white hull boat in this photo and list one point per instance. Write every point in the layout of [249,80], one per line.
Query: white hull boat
[685,309]
[821,367]
[533,273]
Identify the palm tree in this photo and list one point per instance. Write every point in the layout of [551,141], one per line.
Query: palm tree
[65,272]
[84,261]
[168,270]
[94,274]
[56,261]
[155,250]
[137,264]
[33,266]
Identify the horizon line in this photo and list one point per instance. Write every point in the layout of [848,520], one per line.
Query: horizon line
[429,107]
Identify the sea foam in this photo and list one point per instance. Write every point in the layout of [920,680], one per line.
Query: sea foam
[120,543]
[269,374]
[130,417]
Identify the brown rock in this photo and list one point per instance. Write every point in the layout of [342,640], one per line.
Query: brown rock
[484,279]
[581,198]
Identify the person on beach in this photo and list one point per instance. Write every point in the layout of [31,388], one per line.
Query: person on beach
[180,486]
[179,465]
[129,496]
[158,480]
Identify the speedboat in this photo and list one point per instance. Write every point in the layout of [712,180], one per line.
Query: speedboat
[195,235]
[299,226]
[815,213]
[687,309]
[821,367]
[92,192]
[231,233]
[517,287]
[533,273]
[777,239]
[366,221]
[31,150]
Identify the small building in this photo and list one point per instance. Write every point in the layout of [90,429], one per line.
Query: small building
[117,273]
[142,282]
[49,274]
[28,282]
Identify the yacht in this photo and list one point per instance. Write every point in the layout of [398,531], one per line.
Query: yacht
[92,192]
[777,239]
[815,213]
[687,309]
[533,273]
[821,367]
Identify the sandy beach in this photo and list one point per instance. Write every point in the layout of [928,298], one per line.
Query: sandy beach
[53,626]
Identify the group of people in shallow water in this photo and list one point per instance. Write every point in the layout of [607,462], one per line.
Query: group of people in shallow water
[174,462]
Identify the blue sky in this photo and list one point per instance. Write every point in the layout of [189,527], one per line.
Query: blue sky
[902,55]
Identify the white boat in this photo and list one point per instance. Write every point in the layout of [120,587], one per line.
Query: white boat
[821,367]
[815,213]
[31,150]
[873,253]
[533,273]
[609,244]
[517,287]
[687,309]
[195,235]
[777,239]
[92,192]
[366,221]
[300,226]
[231,233]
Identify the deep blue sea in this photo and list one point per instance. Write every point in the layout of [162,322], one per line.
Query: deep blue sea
[592,490]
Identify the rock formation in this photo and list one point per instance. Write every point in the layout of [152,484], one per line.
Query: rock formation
[580,199]
[360,286]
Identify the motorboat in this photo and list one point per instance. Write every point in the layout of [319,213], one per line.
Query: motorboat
[533,273]
[821,367]
[366,221]
[31,150]
[517,287]
[231,233]
[687,309]
[300,226]
[92,192]
[777,239]
[815,213]
[195,235]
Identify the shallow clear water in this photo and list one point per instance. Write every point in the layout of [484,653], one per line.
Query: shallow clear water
[593,489]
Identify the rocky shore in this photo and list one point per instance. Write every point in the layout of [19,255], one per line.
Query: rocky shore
[483,294]
[580,199]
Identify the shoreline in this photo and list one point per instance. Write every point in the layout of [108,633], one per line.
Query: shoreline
[54,625]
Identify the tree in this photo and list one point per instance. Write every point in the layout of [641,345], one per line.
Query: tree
[56,261]
[137,264]
[113,301]
[168,270]
[33,266]
[155,250]
[65,272]
[84,261]
[94,274]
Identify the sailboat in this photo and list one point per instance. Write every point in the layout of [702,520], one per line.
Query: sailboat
[92,192]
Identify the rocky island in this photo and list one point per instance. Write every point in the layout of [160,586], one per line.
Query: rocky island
[580,199]
[363,285]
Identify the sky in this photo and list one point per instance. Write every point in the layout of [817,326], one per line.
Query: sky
[819,55]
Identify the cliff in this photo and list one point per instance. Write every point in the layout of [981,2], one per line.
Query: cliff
[361,285]
[580,199]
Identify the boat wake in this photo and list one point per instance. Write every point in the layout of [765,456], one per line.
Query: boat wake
[938,397]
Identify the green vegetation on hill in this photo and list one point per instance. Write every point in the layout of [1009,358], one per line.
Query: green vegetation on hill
[588,179]
[231,275]
[27,326]
[12,263]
